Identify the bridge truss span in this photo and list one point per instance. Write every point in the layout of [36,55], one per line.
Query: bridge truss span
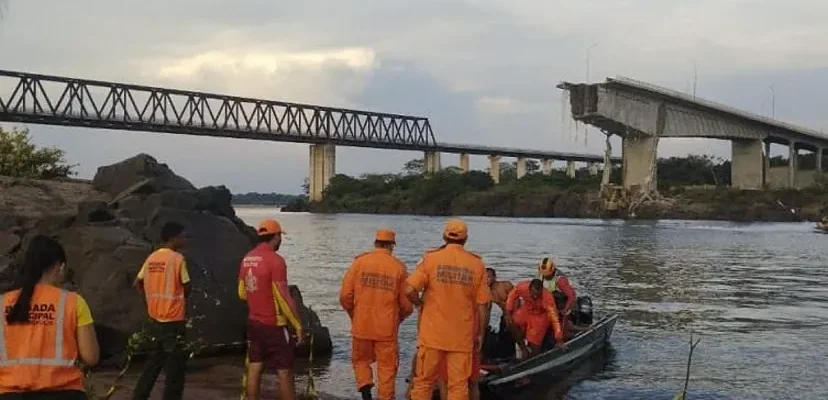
[54,100]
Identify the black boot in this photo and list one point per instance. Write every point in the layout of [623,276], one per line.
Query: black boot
[366,392]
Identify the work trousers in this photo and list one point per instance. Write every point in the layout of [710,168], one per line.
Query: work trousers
[167,352]
[429,362]
[386,355]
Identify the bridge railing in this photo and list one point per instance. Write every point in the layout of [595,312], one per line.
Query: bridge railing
[721,107]
[58,100]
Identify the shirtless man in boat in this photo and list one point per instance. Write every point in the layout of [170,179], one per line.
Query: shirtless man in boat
[500,290]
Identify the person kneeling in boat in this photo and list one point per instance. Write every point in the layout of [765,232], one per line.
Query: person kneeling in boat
[532,319]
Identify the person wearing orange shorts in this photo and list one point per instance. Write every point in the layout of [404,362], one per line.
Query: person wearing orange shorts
[532,319]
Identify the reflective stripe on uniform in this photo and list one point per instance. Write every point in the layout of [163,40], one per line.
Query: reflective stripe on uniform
[170,281]
[58,359]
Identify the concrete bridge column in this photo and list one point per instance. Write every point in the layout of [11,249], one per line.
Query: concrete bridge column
[464,163]
[792,167]
[431,162]
[766,165]
[570,168]
[747,163]
[819,153]
[638,155]
[494,168]
[547,166]
[521,167]
[593,168]
[322,169]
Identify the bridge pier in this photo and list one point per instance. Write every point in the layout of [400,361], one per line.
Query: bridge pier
[638,154]
[322,169]
[547,166]
[432,162]
[747,164]
[494,168]
[570,169]
[792,164]
[521,167]
[464,163]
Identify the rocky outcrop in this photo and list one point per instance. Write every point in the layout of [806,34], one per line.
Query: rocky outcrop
[297,205]
[109,227]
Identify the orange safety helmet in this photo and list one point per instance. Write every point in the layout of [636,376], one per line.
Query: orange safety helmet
[547,267]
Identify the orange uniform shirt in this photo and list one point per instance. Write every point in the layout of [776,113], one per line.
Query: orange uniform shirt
[454,283]
[373,294]
[544,305]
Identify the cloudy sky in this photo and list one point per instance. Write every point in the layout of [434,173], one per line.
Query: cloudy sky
[483,71]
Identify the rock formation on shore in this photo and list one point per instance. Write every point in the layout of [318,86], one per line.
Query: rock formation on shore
[108,228]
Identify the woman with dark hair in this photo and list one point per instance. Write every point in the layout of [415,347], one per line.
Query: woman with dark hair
[46,330]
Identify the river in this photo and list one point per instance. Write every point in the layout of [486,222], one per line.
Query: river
[757,294]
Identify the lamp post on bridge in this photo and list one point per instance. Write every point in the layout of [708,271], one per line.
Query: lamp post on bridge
[589,51]
[773,101]
[695,76]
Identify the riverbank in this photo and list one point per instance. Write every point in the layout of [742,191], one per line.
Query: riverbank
[557,197]
[110,225]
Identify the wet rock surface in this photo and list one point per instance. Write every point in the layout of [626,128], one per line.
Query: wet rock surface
[110,226]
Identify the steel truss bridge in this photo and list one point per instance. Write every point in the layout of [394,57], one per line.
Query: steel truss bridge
[55,100]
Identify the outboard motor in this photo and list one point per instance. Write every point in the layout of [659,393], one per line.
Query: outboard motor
[583,311]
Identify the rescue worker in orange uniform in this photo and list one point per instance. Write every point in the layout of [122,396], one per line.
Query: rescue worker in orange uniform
[440,387]
[534,316]
[558,285]
[270,308]
[44,331]
[373,295]
[453,320]
[165,282]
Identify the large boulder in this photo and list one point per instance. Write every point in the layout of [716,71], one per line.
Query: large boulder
[142,170]
[109,232]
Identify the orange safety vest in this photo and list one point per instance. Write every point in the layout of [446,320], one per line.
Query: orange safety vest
[41,355]
[163,287]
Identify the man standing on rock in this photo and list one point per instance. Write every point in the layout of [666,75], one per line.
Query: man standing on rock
[263,284]
[165,282]
[373,295]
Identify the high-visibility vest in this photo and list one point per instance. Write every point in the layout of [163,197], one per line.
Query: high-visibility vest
[163,287]
[42,354]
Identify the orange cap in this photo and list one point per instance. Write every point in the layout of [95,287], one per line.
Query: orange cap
[455,229]
[386,235]
[269,227]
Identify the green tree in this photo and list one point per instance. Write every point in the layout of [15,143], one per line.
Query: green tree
[19,157]
[306,187]
[532,166]
[414,167]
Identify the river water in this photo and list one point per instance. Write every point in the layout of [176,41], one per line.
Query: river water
[757,294]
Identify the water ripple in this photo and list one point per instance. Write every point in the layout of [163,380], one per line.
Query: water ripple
[758,293]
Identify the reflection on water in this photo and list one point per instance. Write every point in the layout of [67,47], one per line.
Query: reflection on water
[758,293]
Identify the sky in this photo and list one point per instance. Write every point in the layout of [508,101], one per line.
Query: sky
[483,71]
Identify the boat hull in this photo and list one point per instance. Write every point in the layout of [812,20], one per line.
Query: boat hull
[514,376]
